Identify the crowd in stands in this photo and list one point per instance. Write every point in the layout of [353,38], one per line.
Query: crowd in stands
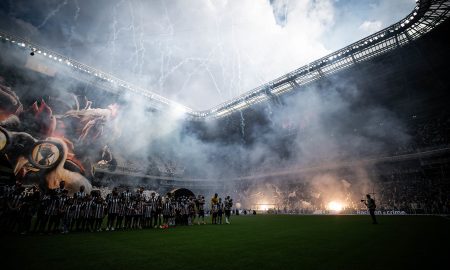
[24,210]
[407,189]
[414,193]
[433,132]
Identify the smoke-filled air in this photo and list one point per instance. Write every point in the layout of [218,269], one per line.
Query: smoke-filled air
[313,149]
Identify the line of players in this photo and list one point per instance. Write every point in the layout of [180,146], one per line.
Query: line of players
[56,211]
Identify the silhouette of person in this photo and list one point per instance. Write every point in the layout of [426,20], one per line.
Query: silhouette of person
[370,203]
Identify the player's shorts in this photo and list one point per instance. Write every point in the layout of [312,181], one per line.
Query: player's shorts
[201,213]
[227,213]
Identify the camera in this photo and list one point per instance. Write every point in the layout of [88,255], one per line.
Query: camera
[363,200]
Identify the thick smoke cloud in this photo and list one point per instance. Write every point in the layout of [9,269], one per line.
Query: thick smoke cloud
[330,129]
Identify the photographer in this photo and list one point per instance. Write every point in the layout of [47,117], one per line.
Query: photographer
[370,203]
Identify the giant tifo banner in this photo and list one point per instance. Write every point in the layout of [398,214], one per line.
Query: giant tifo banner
[51,140]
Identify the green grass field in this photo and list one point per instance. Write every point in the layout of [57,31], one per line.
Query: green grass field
[250,242]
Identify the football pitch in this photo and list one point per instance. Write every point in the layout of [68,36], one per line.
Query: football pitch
[250,242]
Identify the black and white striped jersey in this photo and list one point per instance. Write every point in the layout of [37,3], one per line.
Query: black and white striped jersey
[80,195]
[167,208]
[153,203]
[99,210]
[53,207]
[147,210]
[77,210]
[15,200]
[88,209]
[127,195]
[113,204]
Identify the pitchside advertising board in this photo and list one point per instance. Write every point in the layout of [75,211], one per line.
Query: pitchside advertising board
[386,212]
[362,212]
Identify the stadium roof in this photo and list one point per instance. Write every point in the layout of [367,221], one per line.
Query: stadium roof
[426,15]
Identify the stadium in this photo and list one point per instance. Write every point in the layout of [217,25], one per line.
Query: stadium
[142,148]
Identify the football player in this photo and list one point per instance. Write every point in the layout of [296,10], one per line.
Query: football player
[220,207]
[228,206]
[214,208]
[201,209]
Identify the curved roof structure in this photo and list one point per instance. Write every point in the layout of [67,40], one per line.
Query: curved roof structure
[426,15]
